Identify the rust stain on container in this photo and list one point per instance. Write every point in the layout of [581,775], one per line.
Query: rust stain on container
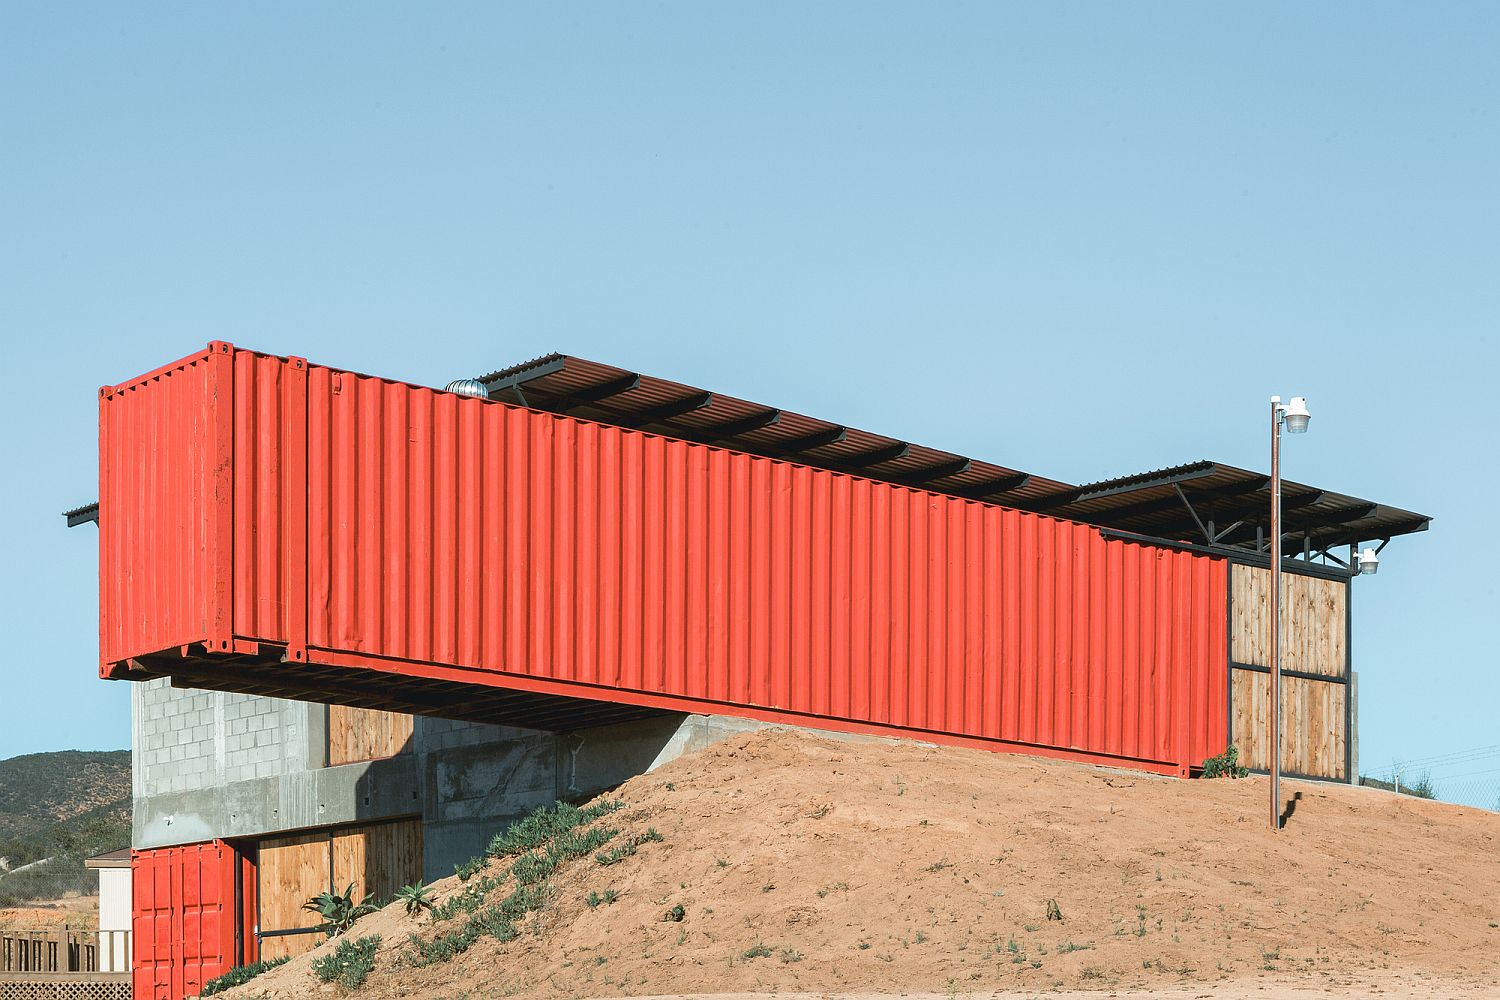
[380,526]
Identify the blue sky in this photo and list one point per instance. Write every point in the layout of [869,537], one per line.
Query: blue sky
[1080,239]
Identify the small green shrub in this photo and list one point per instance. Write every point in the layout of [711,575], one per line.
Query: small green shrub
[470,868]
[615,855]
[240,975]
[676,914]
[1225,765]
[596,900]
[539,844]
[1422,788]
[547,824]
[757,950]
[499,922]
[467,900]
[415,898]
[350,964]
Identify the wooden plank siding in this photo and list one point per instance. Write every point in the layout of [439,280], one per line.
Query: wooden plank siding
[1313,737]
[1313,621]
[358,734]
[291,871]
[378,858]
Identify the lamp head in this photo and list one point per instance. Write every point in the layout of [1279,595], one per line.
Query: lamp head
[1296,415]
[1369,562]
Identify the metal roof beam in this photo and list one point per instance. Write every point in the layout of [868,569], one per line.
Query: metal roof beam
[818,439]
[931,474]
[1208,536]
[1311,522]
[1171,502]
[666,411]
[594,393]
[876,456]
[503,382]
[89,512]
[1384,532]
[1081,493]
[1243,513]
[1000,484]
[734,428]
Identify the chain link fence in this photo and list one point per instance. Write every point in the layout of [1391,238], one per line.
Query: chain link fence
[32,885]
[1465,777]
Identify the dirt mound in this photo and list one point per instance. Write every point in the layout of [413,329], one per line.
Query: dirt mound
[803,864]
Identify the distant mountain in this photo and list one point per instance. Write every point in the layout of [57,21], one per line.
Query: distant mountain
[41,788]
[55,810]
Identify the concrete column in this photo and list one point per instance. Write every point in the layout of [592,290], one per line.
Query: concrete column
[317,735]
[1353,727]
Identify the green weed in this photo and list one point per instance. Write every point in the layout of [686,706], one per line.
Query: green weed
[240,975]
[350,964]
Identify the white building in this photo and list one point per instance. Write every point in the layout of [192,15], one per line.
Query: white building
[114,909]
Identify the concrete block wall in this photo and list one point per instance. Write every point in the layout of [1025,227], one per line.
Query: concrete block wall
[184,740]
[210,765]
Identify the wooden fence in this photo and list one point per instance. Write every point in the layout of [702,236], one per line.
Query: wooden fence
[54,950]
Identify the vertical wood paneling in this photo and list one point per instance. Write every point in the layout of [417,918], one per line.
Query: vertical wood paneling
[1313,732]
[1314,622]
[377,859]
[291,870]
[359,734]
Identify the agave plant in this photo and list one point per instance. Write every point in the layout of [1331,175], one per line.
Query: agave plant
[337,909]
[415,897]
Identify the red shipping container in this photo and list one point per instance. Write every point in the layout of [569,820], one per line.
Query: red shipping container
[183,919]
[270,509]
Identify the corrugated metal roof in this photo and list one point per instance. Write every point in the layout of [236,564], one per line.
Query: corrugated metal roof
[596,391]
[1204,502]
[1209,501]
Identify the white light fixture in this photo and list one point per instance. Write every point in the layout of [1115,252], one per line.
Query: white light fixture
[1369,562]
[1297,416]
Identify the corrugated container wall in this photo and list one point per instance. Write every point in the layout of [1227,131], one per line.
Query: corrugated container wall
[371,523]
[183,920]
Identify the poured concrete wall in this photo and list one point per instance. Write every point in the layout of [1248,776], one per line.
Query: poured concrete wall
[213,765]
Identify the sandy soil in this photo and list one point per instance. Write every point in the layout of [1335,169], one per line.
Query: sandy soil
[806,865]
[75,910]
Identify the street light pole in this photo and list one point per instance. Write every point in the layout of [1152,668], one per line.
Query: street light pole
[1296,417]
[1275,613]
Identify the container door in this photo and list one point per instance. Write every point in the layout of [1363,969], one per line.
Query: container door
[183,919]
